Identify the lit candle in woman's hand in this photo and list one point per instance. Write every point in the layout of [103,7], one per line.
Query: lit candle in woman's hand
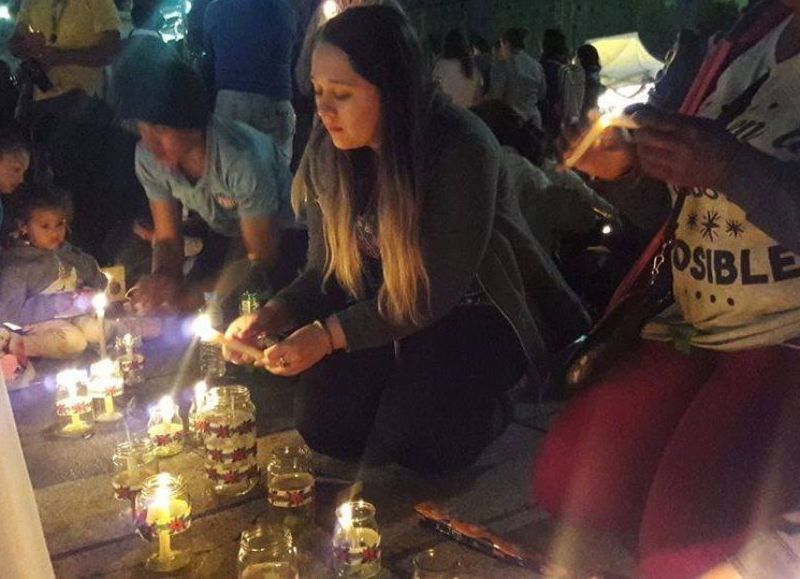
[202,329]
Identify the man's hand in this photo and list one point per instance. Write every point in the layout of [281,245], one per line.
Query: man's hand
[683,151]
[25,43]
[155,293]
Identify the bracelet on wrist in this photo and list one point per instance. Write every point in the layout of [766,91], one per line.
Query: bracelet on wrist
[323,326]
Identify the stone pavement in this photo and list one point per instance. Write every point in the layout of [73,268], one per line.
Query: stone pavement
[90,534]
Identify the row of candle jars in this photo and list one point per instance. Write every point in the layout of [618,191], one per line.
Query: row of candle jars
[269,549]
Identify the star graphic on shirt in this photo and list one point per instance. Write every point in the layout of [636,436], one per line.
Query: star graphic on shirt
[709,225]
[691,221]
[734,228]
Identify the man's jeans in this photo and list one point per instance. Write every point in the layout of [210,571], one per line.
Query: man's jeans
[268,115]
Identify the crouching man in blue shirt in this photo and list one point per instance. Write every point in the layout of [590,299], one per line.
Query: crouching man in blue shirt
[230,175]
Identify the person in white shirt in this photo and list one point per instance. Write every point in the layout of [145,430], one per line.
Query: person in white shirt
[455,70]
[517,79]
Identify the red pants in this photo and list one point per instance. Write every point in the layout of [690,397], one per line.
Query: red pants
[691,451]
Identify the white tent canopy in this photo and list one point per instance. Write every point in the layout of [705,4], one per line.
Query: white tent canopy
[625,61]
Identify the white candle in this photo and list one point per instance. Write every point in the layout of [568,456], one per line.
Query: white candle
[163,517]
[200,390]
[99,303]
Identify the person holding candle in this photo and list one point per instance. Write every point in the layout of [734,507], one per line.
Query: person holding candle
[44,277]
[424,298]
[694,448]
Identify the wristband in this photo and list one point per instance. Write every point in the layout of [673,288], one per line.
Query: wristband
[321,325]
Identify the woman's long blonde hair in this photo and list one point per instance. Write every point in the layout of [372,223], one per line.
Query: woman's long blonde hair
[382,49]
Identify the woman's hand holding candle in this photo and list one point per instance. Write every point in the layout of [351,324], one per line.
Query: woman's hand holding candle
[203,330]
[304,348]
[269,321]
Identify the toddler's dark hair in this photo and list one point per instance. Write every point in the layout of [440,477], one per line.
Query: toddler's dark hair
[12,141]
[38,199]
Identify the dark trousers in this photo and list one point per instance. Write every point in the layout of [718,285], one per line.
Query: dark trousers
[432,402]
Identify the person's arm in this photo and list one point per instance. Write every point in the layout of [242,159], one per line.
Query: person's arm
[88,270]
[696,152]
[768,190]
[98,55]
[167,239]
[19,308]
[25,41]
[457,220]
[261,236]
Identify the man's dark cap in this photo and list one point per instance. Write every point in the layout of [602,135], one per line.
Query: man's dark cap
[164,91]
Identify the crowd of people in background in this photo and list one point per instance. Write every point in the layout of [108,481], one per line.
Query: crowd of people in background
[423,253]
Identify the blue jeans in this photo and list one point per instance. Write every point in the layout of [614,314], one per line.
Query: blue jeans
[271,116]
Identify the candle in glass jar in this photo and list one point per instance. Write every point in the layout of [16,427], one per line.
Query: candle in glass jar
[356,541]
[134,462]
[164,511]
[73,409]
[106,384]
[165,428]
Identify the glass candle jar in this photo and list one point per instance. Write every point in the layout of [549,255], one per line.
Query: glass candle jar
[356,541]
[290,486]
[436,564]
[267,551]
[165,428]
[74,412]
[134,462]
[163,515]
[229,436]
[130,359]
[196,410]
[106,387]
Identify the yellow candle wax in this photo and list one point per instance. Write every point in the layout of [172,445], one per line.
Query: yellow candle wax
[109,404]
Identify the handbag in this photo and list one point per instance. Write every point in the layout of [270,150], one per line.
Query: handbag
[647,289]
[620,325]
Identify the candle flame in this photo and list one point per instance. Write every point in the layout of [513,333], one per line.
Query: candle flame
[161,498]
[105,368]
[202,328]
[345,515]
[99,303]
[69,379]
[200,390]
[166,408]
[330,9]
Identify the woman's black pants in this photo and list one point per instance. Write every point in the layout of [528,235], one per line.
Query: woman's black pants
[431,401]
